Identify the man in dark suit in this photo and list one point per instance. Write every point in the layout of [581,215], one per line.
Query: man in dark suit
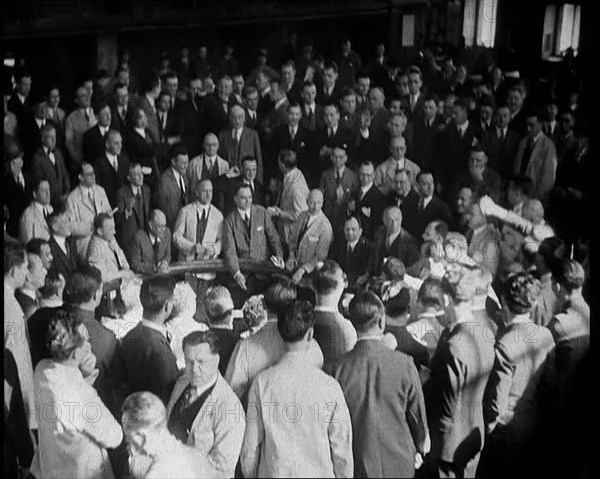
[17,187]
[479,177]
[192,125]
[249,233]
[48,164]
[515,100]
[228,186]
[291,85]
[501,143]
[253,119]
[173,189]
[141,148]
[30,126]
[404,197]
[112,167]
[330,136]
[64,254]
[425,136]
[415,97]
[330,92]
[392,239]
[94,139]
[455,144]
[384,395]
[133,205]
[349,64]
[312,113]
[148,360]
[369,202]
[119,108]
[149,250]
[169,127]
[215,107]
[18,102]
[355,255]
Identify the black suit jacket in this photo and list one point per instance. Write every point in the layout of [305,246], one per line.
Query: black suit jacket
[375,148]
[425,140]
[108,178]
[375,201]
[501,154]
[360,261]
[323,99]
[453,155]
[303,145]
[140,251]
[405,247]
[64,263]
[16,198]
[127,226]
[408,206]
[19,109]
[343,137]
[316,122]
[436,209]
[143,151]
[29,135]
[56,175]
[94,144]
[214,114]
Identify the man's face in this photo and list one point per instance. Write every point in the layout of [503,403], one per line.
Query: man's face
[243,199]
[329,77]
[380,50]
[211,145]
[172,84]
[49,139]
[567,121]
[533,126]
[402,184]
[89,87]
[41,110]
[346,48]
[54,98]
[238,84]
[36,274]
[203,52]
[396,126]
[502,117]
[288,74]
[309,93]
[352,230]
[46,256]
[114,143]
[485,113]
[463,201]
[163,103]
[294,114]
[124,78]
[42,194]
[81,98]
[392,221]
[88,177]
[430,109]
[366,174]
[426,185]
[16,165]
[249,169]
[402,85]
[314,203]
[237,117]
[200,364]
[181,163]
[196,87]
[414,83]
[262,81]
[62,227]
[375,100]
[459,115]
[108,229]
[21,272]
[475,218]
[252,101]
[24,86]
[338,158]
[514,100]
[398,148]
[395,107]
[209,85]
[363,86]
[224,89]
[104,116]
[205,192]
[513,195]
[349,104]
[158,225]
[477,161]
[551,111]
[122,96]
[332,116]
[136,177]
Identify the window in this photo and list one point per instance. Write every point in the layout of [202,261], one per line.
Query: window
[561,30]
[479,22]
[408,30]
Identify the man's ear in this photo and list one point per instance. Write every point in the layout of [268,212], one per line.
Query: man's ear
[309,334]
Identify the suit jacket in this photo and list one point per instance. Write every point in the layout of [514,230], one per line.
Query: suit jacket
[216,438]
[142,150]
[501,155]
[168,196]
[336,209]
[405,247]
[226,190]
[261,244]
[453,154]
[491,184]
[56,174]
[386,173]
[213,113]
[460,368]
[542,165]
[94,144]
[348,67]
[314,244]
[372,217]
[140,252]
[248,145]
[152,119]
[302,145]
[343,137]
[416,221]
[149,363]
[416,114]
[29,134]
[81,213]
[198,170]
[127,225]
[375,148]
[64,263]
[16,198]
[254,123]
[19,109]
[100,255]
[32,224]
[362,259]
[75,127]
[109,179]
[425,143]
[192,127]
[382,388]
[334,97]
[117,122]
[316,122]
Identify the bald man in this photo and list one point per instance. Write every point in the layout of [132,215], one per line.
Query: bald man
[238,141]
[386,172]
[149,251]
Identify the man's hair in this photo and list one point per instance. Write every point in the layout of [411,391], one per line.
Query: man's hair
[520,292]
[553,251]
[308,83]
[280,294]
[178,150]
[143,410]
[247,158]
[20,74]
[424,172]
[478,148]
[100,219]
[535,112]
[289,63]
[296,321]
[81,285]
[249,89]
[523,183]
[293,104]
[353,217]
[51,283]
[462,104]
[62,336]
[431,293]
[325,281]
[35,245]
[38,182]
[164,93]
[398,305]
[431,97]
[240,186]
[348,92]
[569,274]
[98,107]
[365,309]
[334,105]
[150,82]
[171,74]
[288,158]
[331,65]
[48,127]
[362,74]
[218,304]
[441,228]
[119,85]
[14,255]
[202,337]
[155,293]
[414,69]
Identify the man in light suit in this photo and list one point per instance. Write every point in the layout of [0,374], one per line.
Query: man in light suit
[151,90]
[112,167]
[32,223]
[133,205]
[249,233]
[536,158]
[393,240]
[84,203]
[104,252]
[173,187]
[310,238]
[208,165]
[385,173]
[149,250]
[48,164]
[201,405]
[77,123]
[197,236]
[238,141]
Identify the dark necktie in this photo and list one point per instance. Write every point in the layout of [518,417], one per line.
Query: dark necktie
[182,188]
[330,133]
[526,156]
[46,214]
[303,231]
[251,188]
[155,251]
[311,118]
[118,260]
[421,204]
[234,153]
[399,200]
[201,226]
[292,135]
[338,178]
[91,197]
[247,222]
[348,255]
[161,125]
[501,136]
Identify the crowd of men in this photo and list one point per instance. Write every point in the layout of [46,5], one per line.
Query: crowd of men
[328,270]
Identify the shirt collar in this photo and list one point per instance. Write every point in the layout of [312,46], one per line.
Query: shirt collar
[176,174]
[151,101]
[21,98]
[243,213]
[365,189]
[354,243]
[141,131]
[327,309]
[112,158]
[48,152]
[153,238]
[206,387]
[29,293]
[161,328]
[537,137]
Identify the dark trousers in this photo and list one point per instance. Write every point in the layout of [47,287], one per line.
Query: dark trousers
[200,286]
